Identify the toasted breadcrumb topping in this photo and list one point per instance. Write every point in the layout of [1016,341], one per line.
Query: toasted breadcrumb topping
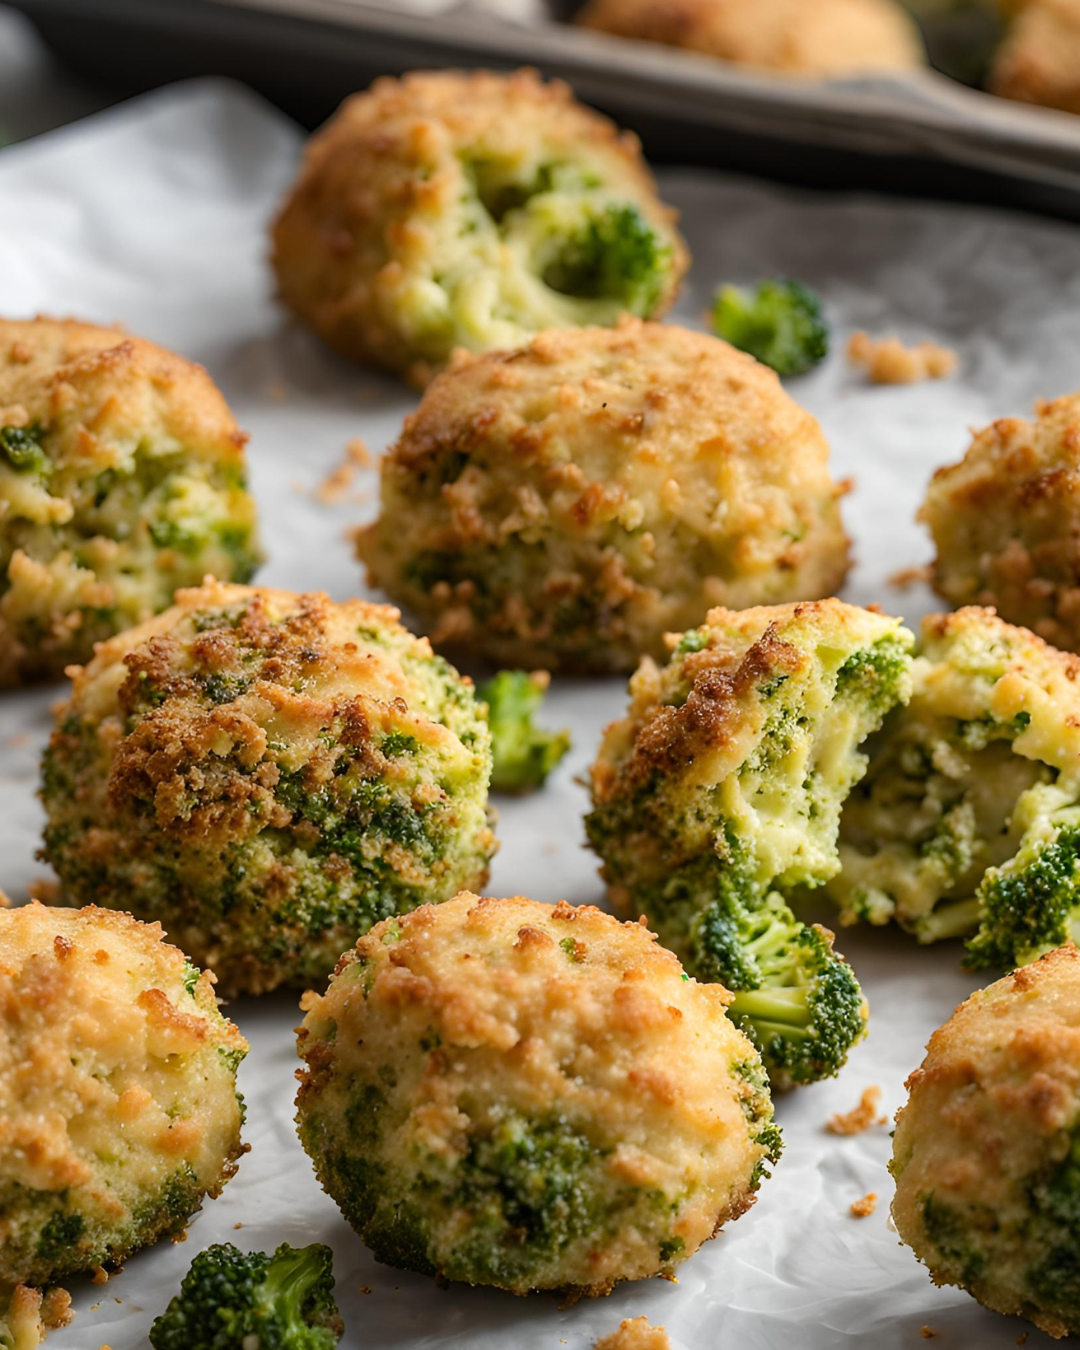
[888,361]
[861,1117]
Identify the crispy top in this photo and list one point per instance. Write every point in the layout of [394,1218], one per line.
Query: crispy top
[825,37]
[85,385]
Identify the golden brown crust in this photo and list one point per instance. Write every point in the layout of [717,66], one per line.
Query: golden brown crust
[373,216]
[1006,521]
[988,1119]
[570,502]
[825,38]
[1039,60]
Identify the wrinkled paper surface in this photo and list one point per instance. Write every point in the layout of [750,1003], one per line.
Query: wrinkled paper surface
[155,215]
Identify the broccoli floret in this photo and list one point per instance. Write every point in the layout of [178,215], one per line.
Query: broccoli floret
[524,754]
[796,999]
[20,449]
[616,255]
[1029,905]
[231,1300]
[780,322]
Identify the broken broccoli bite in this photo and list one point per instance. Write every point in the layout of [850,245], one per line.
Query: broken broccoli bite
[968,820]
[450,209]
[118,1104]
[986,1152]
[566,504]
[532,1097]
[268,775]
[122,477]
[780,322]
[523,753]
[233,1300]
[718,797]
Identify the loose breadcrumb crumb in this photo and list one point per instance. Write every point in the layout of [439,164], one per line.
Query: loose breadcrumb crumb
[865,1206]
[907,577]
[862,1117]
[357,452]
[338,482]
[888,361]
[927,1333]
[100,1275]
[635,1333]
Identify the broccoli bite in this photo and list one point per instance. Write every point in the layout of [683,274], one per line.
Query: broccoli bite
[122,477]
[118,1102]
[233,1300]
[986,1153]
[523,753]
[718,797]
[450,209]
[565,505]
[779,322]
[1006,522]
[823,39]
[968,820]
[268,775]
[508,1093]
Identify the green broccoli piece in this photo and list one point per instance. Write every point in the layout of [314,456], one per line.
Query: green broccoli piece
[795,998]
[1029,905]
[524,754]
[20,448]
[780,323]
[616,255]
[230,1300]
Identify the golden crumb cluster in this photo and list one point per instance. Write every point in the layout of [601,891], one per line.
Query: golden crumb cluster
[889,361]
[825,38]
[1006,521]
[451,209]
[986,1150]
[122,477]
[535,1097]
[567,504]
[268,774]
[118,1104]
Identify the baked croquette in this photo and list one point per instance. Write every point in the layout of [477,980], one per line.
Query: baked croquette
[823,38]
[719,794]
[1006,522]
[122,477]
[986,1153]
[118,1102]
[267,774]
[448,210]
[1039,60]
[565,505]
[509,1093]
[969,815]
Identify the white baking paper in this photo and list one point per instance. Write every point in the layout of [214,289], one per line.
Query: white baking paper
[155,214]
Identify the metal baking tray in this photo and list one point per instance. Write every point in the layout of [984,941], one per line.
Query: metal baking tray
[919,133]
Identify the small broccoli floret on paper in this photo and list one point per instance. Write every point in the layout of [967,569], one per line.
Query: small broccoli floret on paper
[780,322]
[232,1300]
[524,753]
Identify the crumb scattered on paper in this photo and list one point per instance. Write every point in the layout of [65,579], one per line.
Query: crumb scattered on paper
[907,577]
[862,1117]
[864,1206]
[888,361]
[365,1288]
[339,480]
[99,1276]
[635,1333]
[17,741]
[927,1333]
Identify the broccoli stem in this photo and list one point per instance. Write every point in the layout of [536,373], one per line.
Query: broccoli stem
[960,918]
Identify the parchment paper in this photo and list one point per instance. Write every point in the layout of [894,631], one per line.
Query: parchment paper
[155,214]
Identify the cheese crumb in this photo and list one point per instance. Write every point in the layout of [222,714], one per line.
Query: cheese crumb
[862,1117]
[864,1207]
[635,1333]
[888,361]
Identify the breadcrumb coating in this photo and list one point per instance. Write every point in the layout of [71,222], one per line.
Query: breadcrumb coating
[985,1151]
[827,38]
[122,477]
[450,209]
[1005,521]
[566,504]
[505,1092]
[118,1103]
[268,774]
